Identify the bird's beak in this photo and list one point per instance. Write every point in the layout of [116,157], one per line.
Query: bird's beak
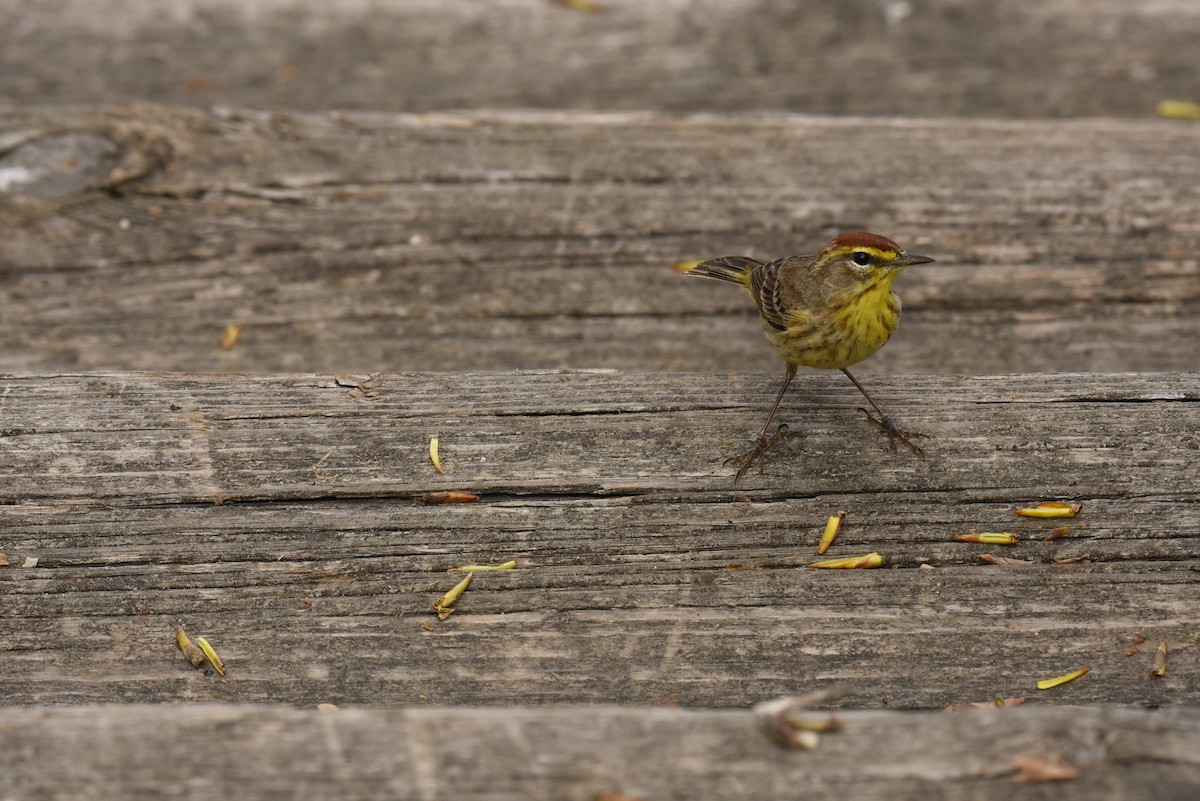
[909,259]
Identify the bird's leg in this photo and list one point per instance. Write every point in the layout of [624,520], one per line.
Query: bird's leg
[764,442]
[894,433]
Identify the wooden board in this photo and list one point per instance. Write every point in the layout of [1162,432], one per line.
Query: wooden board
[370,230]
[275,516]
[213,751]
[362,242]
[1043,58]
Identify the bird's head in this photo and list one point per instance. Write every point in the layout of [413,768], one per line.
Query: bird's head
[866,255]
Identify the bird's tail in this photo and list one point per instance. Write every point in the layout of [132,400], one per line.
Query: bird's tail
[734,269]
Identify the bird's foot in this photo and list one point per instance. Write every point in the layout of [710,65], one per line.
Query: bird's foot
[743,461]
[895,433]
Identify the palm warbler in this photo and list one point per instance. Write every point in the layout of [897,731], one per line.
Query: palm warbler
[829,311]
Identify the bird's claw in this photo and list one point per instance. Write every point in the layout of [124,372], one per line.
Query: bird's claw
[743,461]
[895,433]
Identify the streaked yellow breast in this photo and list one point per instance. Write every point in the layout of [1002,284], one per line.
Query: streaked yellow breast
[848,332]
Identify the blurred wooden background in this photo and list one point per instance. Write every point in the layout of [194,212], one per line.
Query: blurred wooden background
[936,58]
[440,218]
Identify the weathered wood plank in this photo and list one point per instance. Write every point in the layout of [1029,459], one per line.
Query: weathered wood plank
[646,576]
[216,751]
[1054,58]
[489,240]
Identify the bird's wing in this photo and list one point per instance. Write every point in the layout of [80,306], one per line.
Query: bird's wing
[767,291]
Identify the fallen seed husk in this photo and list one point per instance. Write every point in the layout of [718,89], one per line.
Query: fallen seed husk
[581,5]
[211,653]
[790,721]
[852,562]
[1046,684]
[433,454]
[448,497]
[831,531]
[1158,667]
[480,568]
[1179,110]
[190,652]
[444,606]
[988,537]
[229,336]
[1051,509]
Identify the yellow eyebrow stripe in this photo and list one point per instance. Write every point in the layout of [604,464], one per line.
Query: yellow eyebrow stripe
[886,255]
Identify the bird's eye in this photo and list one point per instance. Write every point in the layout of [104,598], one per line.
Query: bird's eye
[861,258]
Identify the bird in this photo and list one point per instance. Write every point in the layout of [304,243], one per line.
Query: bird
[830,311]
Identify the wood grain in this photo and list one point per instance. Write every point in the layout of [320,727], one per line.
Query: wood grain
[362,242]
[581,752]
[266,494]
[1052,58]
[275,516]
